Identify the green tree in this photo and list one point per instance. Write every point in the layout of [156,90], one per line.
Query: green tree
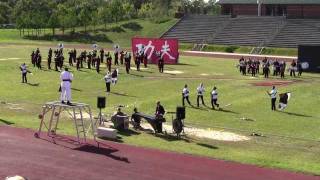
[116,10]
[104,14]
[5,12]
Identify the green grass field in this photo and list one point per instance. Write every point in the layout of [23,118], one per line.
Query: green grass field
[291,137]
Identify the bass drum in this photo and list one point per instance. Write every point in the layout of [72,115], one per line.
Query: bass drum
[177,126]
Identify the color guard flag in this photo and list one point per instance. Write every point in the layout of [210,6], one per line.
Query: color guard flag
[283,101]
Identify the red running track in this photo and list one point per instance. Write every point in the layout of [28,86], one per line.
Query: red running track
[40,159]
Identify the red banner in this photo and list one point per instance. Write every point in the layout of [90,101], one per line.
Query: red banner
[167,48]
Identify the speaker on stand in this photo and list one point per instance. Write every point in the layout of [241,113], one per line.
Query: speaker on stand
[101,103]
[177,123]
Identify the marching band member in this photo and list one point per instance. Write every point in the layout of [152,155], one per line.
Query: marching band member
[66,80]
[24,72]
[200,91]
[273,95]
[108,80]
[185,95]
[214,97]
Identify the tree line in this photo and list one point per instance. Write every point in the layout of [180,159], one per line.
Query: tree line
[69,14]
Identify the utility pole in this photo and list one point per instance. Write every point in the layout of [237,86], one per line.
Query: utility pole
[259,2]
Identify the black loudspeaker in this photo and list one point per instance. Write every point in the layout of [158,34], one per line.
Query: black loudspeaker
[181,112]
[308,57]
[101,103]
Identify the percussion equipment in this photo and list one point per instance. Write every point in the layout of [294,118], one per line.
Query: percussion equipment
[154,121]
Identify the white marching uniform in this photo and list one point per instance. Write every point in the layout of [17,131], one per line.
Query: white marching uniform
[185,92]
[200,90]
[66,78]
[23,68]
[214,94]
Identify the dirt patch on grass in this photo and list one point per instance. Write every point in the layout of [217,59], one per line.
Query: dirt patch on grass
[272,83]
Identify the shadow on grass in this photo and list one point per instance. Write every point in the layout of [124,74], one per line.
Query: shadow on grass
[295,114]
[73,37]
[227,111]
[75,89]
[172,137]
[128,132]
[134,26]
[6,122]
[207,146]
[34,84]
[102,151]
[122,94]
[184,64]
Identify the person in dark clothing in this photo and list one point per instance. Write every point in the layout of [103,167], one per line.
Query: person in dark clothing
[293,68]
[299,67]
[101,55]
[98,64]
[136,119]
[121,57]
[109,62]
[127,61]
[116,57]
[159,117]
[160,64]
[39,59]
[49,58]
[137,61]
[89,60]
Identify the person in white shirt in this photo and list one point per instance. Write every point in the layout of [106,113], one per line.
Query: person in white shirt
[66,79]
[108,80]
[185,95]
[273,95]
[24,72]
[200,91]
[214,98]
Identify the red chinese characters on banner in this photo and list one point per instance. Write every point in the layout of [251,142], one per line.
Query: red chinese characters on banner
[169,49]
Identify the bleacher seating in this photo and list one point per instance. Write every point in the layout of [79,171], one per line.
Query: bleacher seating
[246,31]
[195,28]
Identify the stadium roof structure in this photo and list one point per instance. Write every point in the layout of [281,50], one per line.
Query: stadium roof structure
[269,1]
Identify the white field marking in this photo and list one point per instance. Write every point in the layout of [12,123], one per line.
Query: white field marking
[173,72]
[16,108]
[8,59]
[141,68]
[204,74]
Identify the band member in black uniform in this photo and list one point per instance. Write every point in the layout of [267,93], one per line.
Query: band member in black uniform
[159,117]
[109,61]
[121,57]
[56,60]
[74,57]
[49,58]
[116,57]
[98,64]
[39,59]
[137,61]
[32,58]
[70,58]
[101,55]
[78,60]
[160,63]
[127,60]
[293,68]
[266,69]
[89,60]
[84,58]
[145,60]
[282,69]
[299,67]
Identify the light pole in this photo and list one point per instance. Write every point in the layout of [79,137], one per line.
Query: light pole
[259,2]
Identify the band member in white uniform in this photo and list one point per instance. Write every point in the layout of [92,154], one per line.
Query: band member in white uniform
[200,91]
[273,95]
[66,80]
[214,97]
[24,72]
[108,80]
[185,95]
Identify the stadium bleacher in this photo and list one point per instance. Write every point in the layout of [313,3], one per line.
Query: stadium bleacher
[246,30]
